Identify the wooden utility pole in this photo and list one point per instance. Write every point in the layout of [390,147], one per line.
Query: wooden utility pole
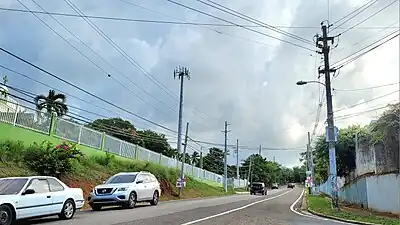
[183,161]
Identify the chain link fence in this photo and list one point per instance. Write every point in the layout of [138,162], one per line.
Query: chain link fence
[73,131]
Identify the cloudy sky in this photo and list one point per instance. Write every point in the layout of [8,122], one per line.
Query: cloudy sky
[244,77]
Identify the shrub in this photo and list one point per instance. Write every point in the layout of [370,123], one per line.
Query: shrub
[49,160]
[104,160]
[11,151]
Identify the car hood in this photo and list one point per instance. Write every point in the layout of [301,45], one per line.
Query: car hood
[113,185]
[8,199]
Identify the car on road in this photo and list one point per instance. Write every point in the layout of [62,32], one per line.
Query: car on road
[126,189]
[258,187]
[37,196]
[275,186]
[290,185]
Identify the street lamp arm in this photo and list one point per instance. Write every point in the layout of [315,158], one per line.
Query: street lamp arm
[302,82]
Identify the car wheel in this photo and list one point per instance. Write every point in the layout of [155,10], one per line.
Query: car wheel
[96,207]
[131,203]
[68,210]
[6,215]
[155,199]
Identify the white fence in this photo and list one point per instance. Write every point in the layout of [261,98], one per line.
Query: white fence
[72,131]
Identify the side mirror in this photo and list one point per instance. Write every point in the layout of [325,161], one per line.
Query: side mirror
[139,181]
[28,192]
[104,181]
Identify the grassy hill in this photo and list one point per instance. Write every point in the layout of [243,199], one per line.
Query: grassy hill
[90,170]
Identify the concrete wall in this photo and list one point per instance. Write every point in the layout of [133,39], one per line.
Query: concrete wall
[384,193]
[365,159]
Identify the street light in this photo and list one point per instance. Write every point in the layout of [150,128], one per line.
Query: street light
[302,82]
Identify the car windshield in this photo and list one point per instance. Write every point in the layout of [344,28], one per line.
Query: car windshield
[12,186]
[257,185]
[119,179]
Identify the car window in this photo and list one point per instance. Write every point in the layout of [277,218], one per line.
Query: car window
[12,186]
[123,178]
[39,185]
[153,178]
[55,185]
[147,178]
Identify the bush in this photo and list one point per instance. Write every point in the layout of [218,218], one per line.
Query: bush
[11,151]
[104,160]
[49,160]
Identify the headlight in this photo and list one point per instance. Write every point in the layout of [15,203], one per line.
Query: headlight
[122,189]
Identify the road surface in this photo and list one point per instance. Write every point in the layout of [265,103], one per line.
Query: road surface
[273,209]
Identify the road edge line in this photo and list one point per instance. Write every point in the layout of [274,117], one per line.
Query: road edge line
[236,209]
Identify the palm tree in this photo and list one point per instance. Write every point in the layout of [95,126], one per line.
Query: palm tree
[195,158]
[52,103]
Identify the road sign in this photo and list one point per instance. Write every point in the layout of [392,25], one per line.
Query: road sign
[335,133]
[181,183]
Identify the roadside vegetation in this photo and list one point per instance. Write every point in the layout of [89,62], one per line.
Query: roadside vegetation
[321,204]
[76,169]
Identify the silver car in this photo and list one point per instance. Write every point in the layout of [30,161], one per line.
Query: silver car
[126,189]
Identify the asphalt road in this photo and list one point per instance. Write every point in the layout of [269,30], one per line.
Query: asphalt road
[273,209]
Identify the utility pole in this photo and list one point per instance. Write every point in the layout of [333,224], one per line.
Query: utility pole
[331,127]
[183,160]
[226,157]
[237,159]
[201,157]
[310,164]
[180,72]
[259,151]
[249,175]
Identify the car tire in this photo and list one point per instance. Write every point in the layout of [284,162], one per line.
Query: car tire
[68,210]
[96,207]
[131,203]
[156,198]
[6,215]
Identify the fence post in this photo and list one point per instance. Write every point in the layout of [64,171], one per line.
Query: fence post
[15,116]
[120,148]
[103,141]
[160,159]
[80,134]
[53,122]
[136,152]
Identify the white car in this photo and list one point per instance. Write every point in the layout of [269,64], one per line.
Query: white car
[37,196]
[126,189]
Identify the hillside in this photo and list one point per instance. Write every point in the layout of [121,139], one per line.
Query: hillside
[86,171]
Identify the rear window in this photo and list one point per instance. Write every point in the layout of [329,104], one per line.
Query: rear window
[257,185]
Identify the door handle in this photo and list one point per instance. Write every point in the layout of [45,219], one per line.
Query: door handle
[48,196]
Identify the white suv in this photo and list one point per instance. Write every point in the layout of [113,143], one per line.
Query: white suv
[126,189]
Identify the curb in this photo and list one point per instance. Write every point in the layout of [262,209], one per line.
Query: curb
[340,219]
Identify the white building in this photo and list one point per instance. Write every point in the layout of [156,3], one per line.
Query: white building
[7,104]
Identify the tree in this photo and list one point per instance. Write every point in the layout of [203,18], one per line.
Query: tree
[171,152]
[195,158]
[214,161]
[117,127]
[154,141]
[52,103]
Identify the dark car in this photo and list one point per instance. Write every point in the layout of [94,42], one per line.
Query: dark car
[258,187]
[290,185]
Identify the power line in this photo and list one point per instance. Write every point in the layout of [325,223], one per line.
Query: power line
[255,31]
[351,115]
[363,53]
[366,88]
[373,99]
[357,11]
[252,20]
[171,22]
[83,90]
[369,17]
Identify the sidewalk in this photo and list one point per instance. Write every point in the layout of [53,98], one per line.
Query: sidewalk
[321,206]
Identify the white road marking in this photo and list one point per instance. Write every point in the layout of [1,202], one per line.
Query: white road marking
[312,216]
[234,210]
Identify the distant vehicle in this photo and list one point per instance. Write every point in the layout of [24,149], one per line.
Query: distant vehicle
[275,186]
[37,196]
[258,187]
[290,185]
[126,189]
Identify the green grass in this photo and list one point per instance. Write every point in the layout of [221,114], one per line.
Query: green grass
[321,204]
[241,190]
[91,171]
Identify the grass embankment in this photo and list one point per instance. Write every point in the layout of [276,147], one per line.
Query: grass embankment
[241,190]
[93,169]
[322,205]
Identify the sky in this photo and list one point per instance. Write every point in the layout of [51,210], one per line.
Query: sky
[246,78]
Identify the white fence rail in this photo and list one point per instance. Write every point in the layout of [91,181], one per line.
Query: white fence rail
[72,131]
